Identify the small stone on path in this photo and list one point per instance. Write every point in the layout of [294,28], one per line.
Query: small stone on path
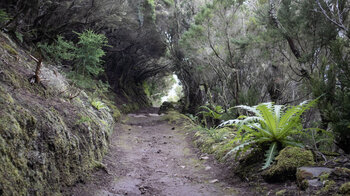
[214,181]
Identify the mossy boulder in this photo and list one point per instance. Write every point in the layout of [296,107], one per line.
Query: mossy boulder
[312,177]
[287,162]
[340,173]
[345,188]
[249,164]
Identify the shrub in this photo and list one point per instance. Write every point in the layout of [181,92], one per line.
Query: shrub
[273,125]
[60,50]
[85,55]
[89,53]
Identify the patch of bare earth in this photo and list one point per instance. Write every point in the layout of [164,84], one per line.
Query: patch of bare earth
[148,156]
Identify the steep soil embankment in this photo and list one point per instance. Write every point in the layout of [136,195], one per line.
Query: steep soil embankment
[50,134]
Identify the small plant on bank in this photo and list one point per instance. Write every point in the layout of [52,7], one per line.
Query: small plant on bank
[98,105]
[214,113]
[272,125]
[85,56]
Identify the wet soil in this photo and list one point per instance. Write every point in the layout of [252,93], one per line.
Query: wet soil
[148,156]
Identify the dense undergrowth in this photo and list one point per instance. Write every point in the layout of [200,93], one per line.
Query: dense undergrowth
[271,125]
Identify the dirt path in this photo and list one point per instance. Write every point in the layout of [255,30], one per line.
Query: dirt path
[148,156]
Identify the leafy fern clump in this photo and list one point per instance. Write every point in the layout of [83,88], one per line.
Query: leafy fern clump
[271,124]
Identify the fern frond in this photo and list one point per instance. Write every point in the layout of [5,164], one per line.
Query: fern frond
[270,155]
[249,109]
[268,116]
[237,148]
[278,112]
[229,122]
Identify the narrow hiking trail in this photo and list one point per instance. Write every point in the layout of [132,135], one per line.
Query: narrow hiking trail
[148,156]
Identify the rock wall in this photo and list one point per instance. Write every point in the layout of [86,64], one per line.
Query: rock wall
[50,134]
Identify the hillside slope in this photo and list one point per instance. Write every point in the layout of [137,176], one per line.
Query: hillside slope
[50,134]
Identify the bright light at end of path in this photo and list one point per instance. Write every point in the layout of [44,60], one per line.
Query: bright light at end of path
[173,94]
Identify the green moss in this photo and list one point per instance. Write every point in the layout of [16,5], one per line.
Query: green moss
[303,185]
[168,2]
[115,111]
[9,49]
[340,172]
[287,162]
[324,176]
[130,107]
[5,98]
[42,148]
[175,117]
[222,149]
[281,192]
[328,188]
[345,188]
[13,79]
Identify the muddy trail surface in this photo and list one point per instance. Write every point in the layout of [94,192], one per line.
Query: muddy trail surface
[149,156]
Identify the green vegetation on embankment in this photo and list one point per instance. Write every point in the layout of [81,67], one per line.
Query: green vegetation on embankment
[52,134]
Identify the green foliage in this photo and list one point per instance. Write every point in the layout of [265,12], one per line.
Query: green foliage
[60,50]
[89,53]
[249,97]
[169,2]
[287,162]
[333,81]
[4,17]
[83,119]
[318,139]
[212,112]
[19,36]
[218,135]
[98,104]
[85,55]
[272,125]
[150,9]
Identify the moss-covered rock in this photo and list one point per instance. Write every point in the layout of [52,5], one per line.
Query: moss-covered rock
[340,173]
[287,162]
[329,188]
[281,192]
[312,177]
[43,144]
[345,188]
[249,164]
